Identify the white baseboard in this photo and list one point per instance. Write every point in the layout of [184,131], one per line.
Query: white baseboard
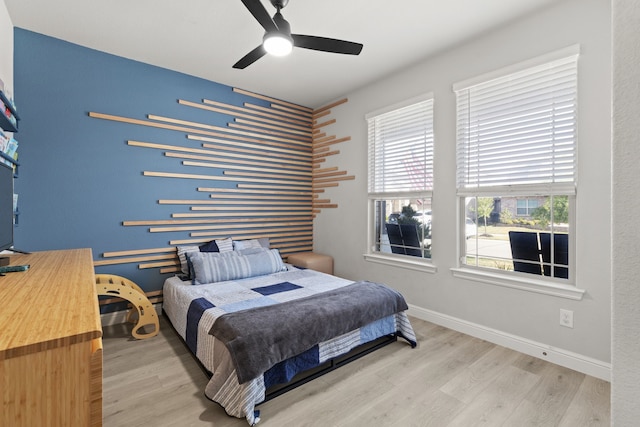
[118,317]
[568,359]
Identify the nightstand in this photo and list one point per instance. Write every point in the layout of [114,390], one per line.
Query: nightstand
[313,261]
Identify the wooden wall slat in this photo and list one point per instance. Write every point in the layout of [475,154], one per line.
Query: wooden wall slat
[241,154]
[284,114]
[234,202]
[142,266]
[323,170]
[235,214]
[317,139]
[333,141]
[330,184]
[235,111]
[306,110]
[150,123]
[253,149]
[266,232]
[306,132]
[289,225]
[329,106]
[303,174]
[168,147]
[267,199]
[133,259]
[137,252]
[300,149]
[266,191]
[184,124]
[257,209]
[321,155]
[233,161]
[323,124]
[174,222]
[291,110]
[219,178]
[264,129]
[343,178]
[268,175]
[317,116]
[329,174]
[264,187]
[238,236]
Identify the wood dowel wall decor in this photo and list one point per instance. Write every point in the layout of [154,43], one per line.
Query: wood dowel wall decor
[267,163]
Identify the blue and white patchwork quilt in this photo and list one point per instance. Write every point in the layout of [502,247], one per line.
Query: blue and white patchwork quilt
[193,309]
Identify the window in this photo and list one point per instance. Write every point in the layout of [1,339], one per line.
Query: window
[516,155]
[401,178]
[524,207]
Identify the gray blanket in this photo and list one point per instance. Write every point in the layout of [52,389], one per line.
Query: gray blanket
[259,338]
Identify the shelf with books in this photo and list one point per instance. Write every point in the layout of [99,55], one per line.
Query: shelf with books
[8,149]
[8,115]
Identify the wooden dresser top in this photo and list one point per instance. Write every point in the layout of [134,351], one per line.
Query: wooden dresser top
[52,304]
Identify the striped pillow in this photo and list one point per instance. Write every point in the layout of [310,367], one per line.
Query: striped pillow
[182,256]
[212,267]
[224,245]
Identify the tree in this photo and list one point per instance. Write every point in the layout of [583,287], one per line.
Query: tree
[407,215]
[542,214]
[484,208]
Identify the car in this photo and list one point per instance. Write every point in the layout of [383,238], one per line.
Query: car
[423,217]
[470,228]
[393,218]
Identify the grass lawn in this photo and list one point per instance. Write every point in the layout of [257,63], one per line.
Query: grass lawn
[500,232]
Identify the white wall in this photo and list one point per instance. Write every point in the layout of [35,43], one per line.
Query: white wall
[6,47]
[626,205]
[515,314]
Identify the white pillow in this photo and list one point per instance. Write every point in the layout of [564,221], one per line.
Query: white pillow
[239,245]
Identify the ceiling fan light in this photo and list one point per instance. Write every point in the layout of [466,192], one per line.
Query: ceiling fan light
[277,44]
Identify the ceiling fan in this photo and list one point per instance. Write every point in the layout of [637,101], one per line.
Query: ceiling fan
[279,41]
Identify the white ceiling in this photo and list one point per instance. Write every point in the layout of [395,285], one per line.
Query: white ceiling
[205,38]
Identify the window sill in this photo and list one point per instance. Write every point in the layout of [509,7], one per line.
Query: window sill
[525,284]
[402,261]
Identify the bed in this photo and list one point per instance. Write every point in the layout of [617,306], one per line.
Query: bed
[205,309]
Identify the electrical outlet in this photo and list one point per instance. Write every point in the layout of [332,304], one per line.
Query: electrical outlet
[566,318]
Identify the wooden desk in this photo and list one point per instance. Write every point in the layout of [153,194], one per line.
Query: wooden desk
[50,342]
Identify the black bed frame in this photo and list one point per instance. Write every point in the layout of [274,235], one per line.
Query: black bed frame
[313,373]
[328,366]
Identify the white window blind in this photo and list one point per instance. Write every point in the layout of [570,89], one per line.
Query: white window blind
[519,129]
[401,149]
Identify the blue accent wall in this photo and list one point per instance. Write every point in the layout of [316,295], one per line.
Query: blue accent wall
[78,178]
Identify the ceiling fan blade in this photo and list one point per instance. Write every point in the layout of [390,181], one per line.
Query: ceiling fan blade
[260,13]
[326,45]
[250,58]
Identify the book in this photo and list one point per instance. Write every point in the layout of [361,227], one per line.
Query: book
[12,147]
[4,142]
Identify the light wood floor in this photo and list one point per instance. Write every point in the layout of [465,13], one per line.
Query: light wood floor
[450,379]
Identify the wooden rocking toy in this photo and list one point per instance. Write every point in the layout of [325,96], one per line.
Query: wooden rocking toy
[121,287]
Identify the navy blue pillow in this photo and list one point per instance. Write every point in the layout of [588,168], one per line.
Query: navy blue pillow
[209,247]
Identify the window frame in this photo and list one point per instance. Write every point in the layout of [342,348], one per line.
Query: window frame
[526,281]
[372,254]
